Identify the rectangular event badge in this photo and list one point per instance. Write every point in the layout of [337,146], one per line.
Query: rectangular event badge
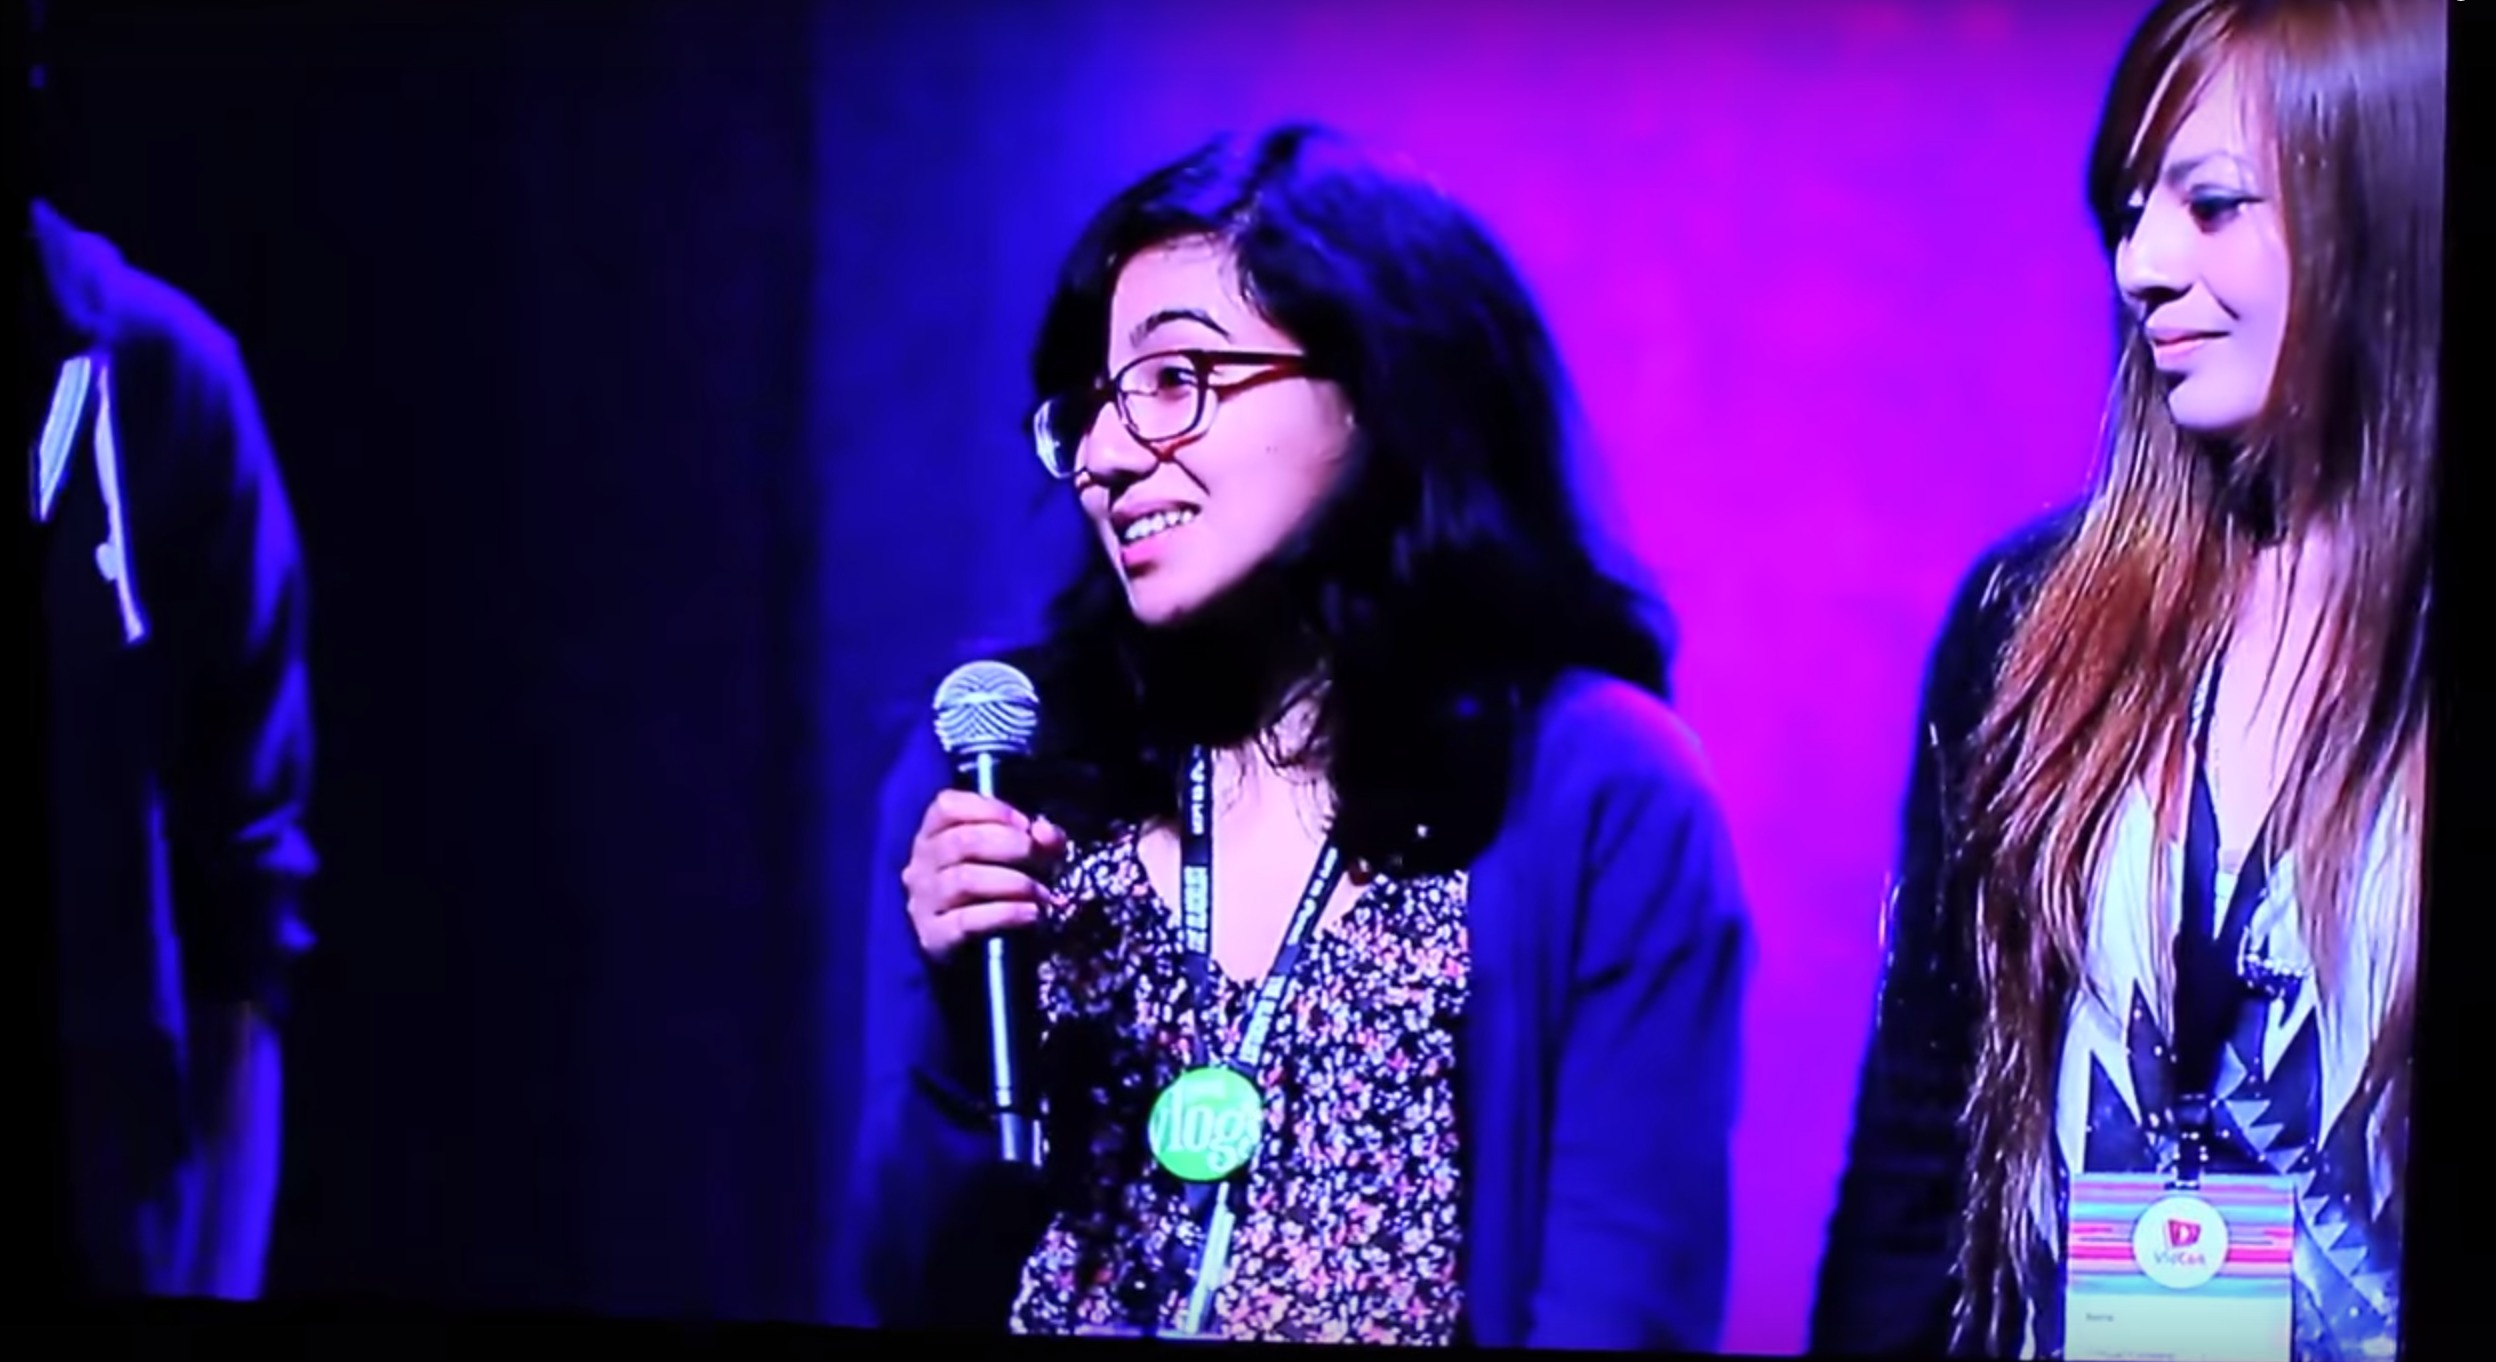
[2153,1272]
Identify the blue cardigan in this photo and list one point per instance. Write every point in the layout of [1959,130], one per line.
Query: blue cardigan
[1599,1063]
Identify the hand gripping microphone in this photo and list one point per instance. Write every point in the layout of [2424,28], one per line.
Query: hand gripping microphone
[987,712]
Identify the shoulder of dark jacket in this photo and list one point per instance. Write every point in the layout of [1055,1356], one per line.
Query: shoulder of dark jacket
[1596,730]
[1991,600]
[104,300]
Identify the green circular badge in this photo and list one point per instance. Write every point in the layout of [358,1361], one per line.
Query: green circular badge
[1206,1123]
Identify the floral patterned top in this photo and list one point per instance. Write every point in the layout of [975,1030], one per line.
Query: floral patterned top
[1351,1225]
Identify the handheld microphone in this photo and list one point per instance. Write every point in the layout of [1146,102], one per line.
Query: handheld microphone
[987,712]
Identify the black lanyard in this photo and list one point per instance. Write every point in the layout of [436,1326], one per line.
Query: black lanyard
[2210,991]
[1196,925]
[1183,1268]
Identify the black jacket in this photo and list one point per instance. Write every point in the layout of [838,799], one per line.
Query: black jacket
[180,731]
[1887,1283]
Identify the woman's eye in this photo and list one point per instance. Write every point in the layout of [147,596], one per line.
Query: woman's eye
[2210,210]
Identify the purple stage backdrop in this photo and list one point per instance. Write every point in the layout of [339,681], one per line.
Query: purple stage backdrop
[1826,283]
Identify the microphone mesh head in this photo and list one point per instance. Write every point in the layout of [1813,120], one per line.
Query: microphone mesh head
[987,708]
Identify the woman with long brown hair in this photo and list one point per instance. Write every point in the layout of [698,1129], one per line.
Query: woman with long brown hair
[2139,1071]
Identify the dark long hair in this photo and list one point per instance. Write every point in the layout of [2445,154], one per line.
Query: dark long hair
[1439,591]
[2099,675]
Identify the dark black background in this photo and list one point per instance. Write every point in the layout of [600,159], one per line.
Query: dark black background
[523,289]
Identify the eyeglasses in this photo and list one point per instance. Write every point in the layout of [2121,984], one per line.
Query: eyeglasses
[1161,398]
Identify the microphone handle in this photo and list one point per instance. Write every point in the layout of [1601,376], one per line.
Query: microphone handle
[1015,1144]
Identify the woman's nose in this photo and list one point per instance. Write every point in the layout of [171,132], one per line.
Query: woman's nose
[1112,454]
[2153,263]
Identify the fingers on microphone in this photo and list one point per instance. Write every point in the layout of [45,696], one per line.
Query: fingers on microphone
[970,884]
[986,843]
[982,919]
[953,807]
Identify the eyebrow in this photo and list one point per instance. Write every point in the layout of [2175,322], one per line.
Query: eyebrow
[2185,169]
[1169,315]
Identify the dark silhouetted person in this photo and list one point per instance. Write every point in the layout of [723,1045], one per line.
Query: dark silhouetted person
[180,748]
